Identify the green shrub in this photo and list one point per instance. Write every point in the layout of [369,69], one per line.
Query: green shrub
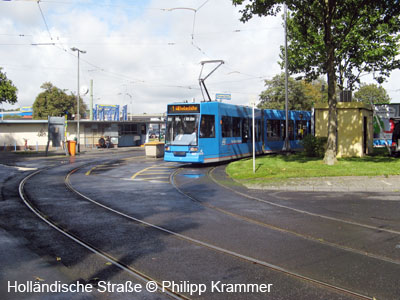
[314,146]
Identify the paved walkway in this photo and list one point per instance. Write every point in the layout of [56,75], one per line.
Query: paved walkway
[338,184]
[10,157]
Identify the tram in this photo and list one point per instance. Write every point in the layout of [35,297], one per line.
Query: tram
[212,131]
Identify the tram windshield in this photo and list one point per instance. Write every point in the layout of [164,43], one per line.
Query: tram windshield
[182,130]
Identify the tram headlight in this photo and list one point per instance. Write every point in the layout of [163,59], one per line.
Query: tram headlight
[193,149]
[167,148]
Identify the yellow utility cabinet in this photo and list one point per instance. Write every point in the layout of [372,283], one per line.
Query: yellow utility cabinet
[355,127]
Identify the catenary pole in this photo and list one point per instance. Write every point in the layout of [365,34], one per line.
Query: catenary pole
[77,102]
[286,145]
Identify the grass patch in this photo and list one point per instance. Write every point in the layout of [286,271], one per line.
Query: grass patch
[280,167]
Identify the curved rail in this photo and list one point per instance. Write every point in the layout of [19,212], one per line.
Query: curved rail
[133,272]
[300,210]
[216,248]
[276,228]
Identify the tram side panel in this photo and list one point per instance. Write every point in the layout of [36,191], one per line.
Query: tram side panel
[236,129]
[209,132]
[274,129]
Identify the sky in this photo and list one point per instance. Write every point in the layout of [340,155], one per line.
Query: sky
[141,53]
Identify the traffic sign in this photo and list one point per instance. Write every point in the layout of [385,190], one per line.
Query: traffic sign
[222,96]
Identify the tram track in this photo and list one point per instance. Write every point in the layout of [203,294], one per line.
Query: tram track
[213,247]
[301,211]
[88,246]
[276,228]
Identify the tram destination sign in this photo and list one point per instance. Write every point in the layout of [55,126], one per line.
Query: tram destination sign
[184,108]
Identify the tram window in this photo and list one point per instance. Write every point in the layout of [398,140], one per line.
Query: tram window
[250,140]
[258,132]
[245,131]
[182,130]
[301,129]
[207,126]
[236,127]
[291,129]
[226,126]
[273,130]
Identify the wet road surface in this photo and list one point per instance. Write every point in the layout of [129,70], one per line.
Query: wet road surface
[192,225]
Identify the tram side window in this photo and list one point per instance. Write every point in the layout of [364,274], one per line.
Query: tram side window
[273,130]
[291,129]
[207,126]
[258,127]
[226,126]
[245,131]
[235,127]
[301,129]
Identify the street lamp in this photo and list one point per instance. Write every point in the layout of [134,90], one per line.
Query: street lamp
[77,101]
[187,8]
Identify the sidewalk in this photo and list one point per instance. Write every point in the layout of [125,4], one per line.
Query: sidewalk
[333,184]
[10,157]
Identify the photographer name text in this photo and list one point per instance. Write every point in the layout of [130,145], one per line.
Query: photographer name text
[185,287]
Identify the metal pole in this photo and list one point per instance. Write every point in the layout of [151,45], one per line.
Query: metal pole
[254,140]
[91,100]
[79,117]
[78,97]
[286,146]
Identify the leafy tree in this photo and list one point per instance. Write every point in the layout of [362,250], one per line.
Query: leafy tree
[372,92]
[302,94]
[316,90]
[55,102]
[8,92]
[339,38]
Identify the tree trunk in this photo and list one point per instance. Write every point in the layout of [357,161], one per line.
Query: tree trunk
[330,153]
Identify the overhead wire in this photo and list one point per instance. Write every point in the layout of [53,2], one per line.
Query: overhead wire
[44,19]
[127,77]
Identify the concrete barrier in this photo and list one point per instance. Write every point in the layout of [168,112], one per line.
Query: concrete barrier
[154,149]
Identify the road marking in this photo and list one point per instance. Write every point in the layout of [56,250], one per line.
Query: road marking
[154,173]
[328,183]
[90,171]
[140,172]
[165,169]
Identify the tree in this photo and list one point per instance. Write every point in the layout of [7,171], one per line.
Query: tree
[371,92]
[55,102]
[8,92]
[339,38]
[302,94]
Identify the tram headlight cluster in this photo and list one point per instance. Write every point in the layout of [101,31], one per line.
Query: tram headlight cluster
[167,148]
[193,149]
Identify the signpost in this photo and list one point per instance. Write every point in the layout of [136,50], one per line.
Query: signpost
[222,97]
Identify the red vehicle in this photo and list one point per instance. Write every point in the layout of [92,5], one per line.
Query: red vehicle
[396,138]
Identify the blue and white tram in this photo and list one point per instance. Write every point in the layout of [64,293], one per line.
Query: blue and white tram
[213,131]
[210,132]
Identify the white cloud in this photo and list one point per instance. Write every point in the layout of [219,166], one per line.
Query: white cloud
[135,48]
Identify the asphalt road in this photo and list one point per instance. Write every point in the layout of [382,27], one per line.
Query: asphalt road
[193,227]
